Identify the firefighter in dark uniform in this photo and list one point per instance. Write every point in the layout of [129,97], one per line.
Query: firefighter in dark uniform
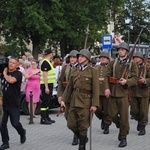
[83,89]
[102,111]
[63,81]
[140,94]
[48,78]
[119,88]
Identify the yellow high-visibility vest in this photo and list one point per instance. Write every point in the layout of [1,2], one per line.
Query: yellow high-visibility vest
[51,74]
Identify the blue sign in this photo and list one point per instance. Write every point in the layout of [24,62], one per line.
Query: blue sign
[107,41]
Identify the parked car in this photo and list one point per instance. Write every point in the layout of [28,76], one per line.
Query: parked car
[53,103]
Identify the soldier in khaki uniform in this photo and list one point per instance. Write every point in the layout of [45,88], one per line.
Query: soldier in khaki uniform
[83,89]
[148,65]
[140,94]
[118,92]
[63,81]
[102,111]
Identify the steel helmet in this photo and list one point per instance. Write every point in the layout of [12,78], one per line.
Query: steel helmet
[123,45]
[138,54]
[104,54]
[85,53]
[73,53]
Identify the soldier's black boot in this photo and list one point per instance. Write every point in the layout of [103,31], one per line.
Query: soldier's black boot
[75,140]
[119,137]
[123,142]
[138,127]
[106,129]
[142,130]
[48,118]
[102,124]
[44,119]
[82,144]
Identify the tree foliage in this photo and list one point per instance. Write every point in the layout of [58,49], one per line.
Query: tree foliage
[62,24]
[137,14]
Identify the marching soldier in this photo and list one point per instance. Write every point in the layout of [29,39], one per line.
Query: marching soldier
[148,65]
[118,92]
[102,111]
[63,81]
[140,94]
[82,96]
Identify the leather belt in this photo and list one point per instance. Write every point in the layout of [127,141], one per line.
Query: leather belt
[82,91]
[113,80]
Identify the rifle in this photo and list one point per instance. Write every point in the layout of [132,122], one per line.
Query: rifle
[129,57]
[143,68]
[86,37]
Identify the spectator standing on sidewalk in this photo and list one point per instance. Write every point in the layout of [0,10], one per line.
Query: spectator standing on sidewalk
[11,84]
[33,84]
[48,78]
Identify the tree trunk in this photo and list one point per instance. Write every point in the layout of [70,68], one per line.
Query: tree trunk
[64,47]
[36,49]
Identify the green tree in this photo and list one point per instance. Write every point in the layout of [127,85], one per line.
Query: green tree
[29,21]
[137,13]
[56,23]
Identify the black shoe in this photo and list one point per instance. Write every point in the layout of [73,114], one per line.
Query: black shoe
[119,137]
[45,121]
[123,143]
[142,131]
[4,146]
[102,124]
[106,129]
[138,127]
[50,120]
[23,137]
[75,140]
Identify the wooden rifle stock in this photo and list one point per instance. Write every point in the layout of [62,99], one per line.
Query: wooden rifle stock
[129,57]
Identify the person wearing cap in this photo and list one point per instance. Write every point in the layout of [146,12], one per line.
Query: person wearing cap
[11,85]
[63,81]
[48,78]
[102,111]
[82,93]
[118,106]
[140,94]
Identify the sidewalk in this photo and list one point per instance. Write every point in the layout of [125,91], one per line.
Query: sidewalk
[58,137]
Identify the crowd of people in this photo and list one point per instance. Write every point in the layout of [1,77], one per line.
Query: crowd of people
[83,89]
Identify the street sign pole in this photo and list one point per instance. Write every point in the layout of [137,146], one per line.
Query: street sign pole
[107,42]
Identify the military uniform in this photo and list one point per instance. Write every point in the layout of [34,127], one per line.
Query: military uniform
[148,65]
[82,93]
[82,96]
[102,111]
[118,102]
[62,83]
[140,98]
